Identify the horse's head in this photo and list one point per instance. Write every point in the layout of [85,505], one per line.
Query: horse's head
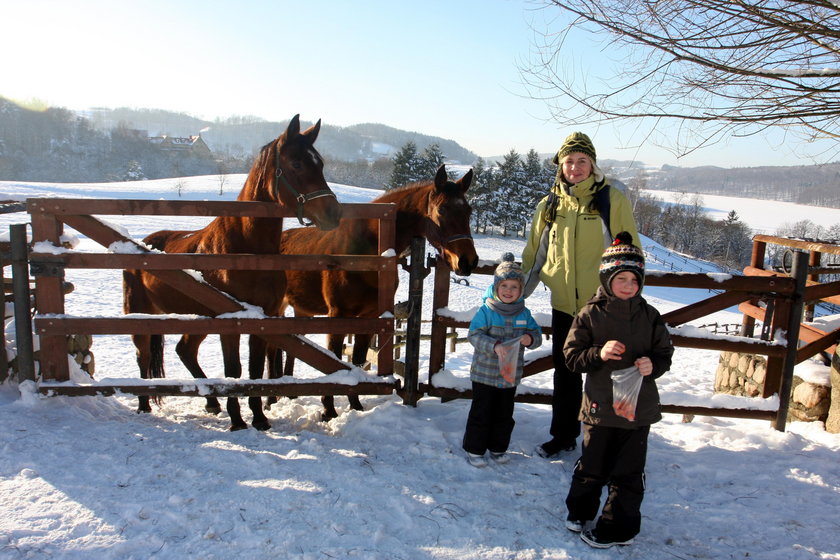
[298,180]
[449,222]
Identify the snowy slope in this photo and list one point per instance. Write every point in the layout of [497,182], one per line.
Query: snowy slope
[88,478]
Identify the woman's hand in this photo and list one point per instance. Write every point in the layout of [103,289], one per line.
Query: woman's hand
[612,350]
[526,340]
[645,365]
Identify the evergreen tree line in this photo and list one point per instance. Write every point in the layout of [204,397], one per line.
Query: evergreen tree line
[503,196]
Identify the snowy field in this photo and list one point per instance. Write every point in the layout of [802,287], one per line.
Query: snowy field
[88,478]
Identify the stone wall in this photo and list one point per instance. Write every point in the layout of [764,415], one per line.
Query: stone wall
[78,346]
[744,374]
[833,423]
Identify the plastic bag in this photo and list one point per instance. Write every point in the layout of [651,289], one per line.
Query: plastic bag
[508,353]
[625,386]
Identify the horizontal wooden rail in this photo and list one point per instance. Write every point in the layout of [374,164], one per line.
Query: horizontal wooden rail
[209,208]
[749,345]
[197,261]
[157,324]
[218,388]
[545,398]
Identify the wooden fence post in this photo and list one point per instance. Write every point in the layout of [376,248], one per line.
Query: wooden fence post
[417,273]
[440,299]
[22,302]
[756,261]
[800,274]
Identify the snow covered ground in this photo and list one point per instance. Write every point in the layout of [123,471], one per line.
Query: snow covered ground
[88,478]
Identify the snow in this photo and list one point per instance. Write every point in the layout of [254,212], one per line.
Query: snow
[87,477]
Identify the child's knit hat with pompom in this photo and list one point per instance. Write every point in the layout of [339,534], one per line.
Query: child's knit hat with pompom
[508,270]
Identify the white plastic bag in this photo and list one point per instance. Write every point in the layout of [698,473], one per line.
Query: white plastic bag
[625,385]
[508,353]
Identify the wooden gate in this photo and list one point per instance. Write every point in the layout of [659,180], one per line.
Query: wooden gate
[52,325]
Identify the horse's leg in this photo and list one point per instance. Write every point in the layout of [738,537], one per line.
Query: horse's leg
[275,370]
[335,343]
[256,364]
[187,349]
[361,343]
[233,369]
[142,343]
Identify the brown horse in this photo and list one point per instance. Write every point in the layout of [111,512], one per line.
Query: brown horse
[437,210]
[288,171]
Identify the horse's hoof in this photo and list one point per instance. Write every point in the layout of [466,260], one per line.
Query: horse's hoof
[213,409]
[261,425]
[144,410]
[237,427]
[327,416]
[357,407]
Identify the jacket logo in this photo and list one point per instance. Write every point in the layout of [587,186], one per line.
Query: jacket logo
[593,408]
[521,322]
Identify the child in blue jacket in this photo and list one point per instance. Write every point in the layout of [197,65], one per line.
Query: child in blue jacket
[502,318]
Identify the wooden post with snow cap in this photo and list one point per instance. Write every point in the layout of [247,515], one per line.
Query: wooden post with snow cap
[49,294]
[417,273]
[800,275]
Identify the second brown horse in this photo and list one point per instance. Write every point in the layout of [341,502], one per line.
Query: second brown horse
[435,209]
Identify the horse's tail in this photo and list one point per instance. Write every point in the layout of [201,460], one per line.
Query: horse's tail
[156,370]
[135,300]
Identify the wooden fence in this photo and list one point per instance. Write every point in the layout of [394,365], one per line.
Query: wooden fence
[784,296]
[778,300]
[52,325]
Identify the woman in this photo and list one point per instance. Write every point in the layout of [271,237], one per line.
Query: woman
[570,230]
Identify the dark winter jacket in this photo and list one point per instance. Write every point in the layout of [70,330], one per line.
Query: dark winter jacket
[640,328]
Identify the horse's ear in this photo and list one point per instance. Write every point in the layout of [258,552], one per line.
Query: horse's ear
[312,132]
[441,177]
[465,181]
[294,127]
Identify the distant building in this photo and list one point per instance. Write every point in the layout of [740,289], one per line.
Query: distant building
[194,145]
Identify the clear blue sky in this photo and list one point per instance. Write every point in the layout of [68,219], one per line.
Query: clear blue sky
[447,68]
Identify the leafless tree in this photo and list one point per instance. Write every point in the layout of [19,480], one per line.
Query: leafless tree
[715,67]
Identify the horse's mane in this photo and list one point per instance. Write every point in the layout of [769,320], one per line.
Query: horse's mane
[399,191]
[261,170]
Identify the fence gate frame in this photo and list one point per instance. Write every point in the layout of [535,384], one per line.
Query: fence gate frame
[48,217]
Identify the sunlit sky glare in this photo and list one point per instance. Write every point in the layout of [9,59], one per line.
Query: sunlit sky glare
[448,68]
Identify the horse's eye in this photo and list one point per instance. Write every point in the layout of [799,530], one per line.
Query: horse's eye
[296,165]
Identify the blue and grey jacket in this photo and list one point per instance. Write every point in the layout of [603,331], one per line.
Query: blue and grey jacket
[489,327]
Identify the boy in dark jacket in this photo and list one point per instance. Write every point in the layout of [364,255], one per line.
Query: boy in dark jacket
[617,329]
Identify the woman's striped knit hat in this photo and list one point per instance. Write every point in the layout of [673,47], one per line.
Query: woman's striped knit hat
[620,256]
[576,142]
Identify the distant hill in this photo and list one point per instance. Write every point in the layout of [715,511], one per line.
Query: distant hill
[245,135]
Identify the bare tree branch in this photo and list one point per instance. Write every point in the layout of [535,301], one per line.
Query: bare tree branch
[719,67]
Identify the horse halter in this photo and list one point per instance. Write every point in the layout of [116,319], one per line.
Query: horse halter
[301,199]
[431,226]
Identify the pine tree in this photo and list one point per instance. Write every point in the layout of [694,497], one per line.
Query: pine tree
[536,184]
[430,161]
[508,186]
[134,172]
[479,194]
[407,167]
